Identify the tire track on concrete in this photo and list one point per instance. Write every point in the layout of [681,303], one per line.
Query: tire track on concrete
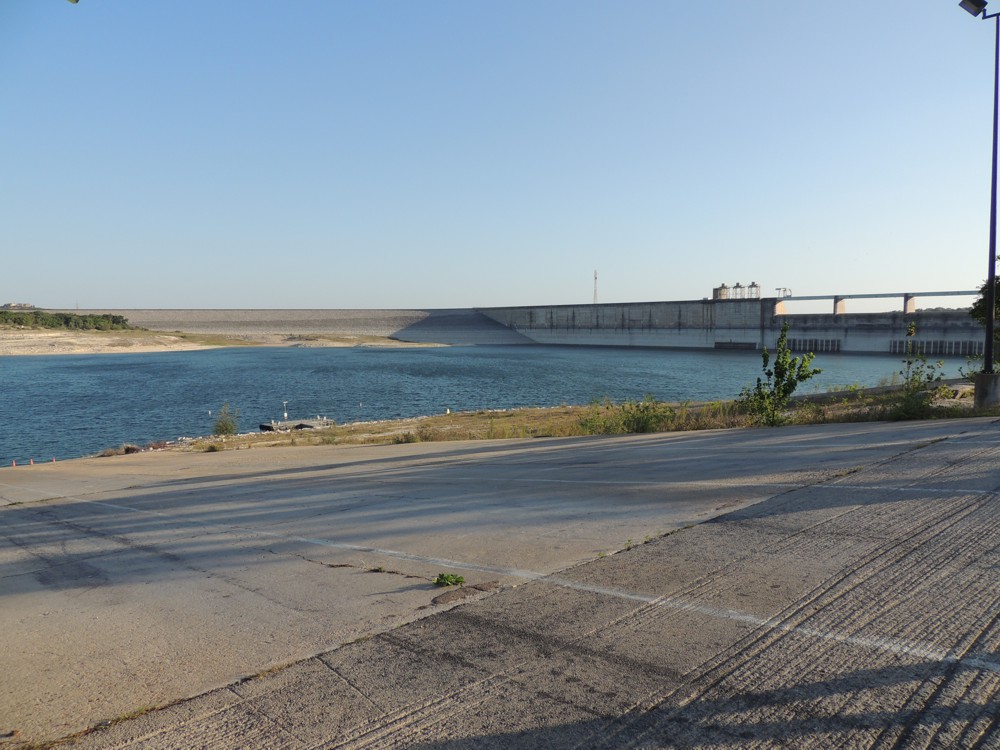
[399,727]
[424,717]
[898,565]
[860,625]
[881,567]
[931,694]
[800,649]
[797,614]
[428,717]
[818,532]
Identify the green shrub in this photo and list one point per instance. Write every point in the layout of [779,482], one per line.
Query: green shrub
[648,415]
[767,401]
[70,321]
[630,417]
[226,423]
[921,382]
[594,421]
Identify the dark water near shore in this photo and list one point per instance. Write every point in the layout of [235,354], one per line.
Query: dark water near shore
[73,405]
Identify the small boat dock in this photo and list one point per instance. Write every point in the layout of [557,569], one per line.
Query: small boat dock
[297,424]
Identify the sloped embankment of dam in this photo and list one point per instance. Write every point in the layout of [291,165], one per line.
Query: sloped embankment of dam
[444,326]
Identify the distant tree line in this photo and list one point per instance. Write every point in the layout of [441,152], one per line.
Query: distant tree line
[69,321]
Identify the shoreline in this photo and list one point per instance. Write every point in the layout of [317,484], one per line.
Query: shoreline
[36,342]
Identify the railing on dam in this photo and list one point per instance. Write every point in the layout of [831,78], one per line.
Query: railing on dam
[840,305]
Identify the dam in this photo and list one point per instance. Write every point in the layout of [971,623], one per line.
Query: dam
[725,321]
[748,322]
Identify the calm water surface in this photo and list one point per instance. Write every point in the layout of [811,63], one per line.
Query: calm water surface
[73,405]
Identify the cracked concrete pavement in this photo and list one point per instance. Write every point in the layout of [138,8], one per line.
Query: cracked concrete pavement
[826,586]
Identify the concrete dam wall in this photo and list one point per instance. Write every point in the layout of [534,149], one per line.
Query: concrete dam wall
[741,324]
[701,324]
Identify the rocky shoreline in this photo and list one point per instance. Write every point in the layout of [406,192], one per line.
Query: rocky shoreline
[27,342]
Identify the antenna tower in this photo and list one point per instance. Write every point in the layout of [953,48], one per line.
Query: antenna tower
[595,286]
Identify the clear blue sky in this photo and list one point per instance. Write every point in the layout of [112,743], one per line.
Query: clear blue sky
[384,153]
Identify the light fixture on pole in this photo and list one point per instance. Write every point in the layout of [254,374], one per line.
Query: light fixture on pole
[987,391]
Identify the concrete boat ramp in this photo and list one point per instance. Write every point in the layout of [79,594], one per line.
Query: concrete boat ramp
[809,587]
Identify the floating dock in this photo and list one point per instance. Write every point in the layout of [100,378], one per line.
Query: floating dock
[297,424]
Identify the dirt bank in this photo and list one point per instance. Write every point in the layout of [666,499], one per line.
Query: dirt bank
[15,342]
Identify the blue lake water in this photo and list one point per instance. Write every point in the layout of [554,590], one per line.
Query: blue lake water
[68,406]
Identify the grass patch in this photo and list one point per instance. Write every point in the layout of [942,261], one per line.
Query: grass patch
[648,415]
[609,418]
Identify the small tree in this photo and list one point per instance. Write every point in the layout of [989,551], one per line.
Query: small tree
[921,381]
[227,421]
[767,400]
[978,309]
[978,313]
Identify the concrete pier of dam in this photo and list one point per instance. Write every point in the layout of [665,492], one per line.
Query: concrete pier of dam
[749,324]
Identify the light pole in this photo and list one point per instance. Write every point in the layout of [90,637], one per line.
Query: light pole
[987,389]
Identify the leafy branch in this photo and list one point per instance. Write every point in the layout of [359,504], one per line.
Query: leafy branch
[767,401]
